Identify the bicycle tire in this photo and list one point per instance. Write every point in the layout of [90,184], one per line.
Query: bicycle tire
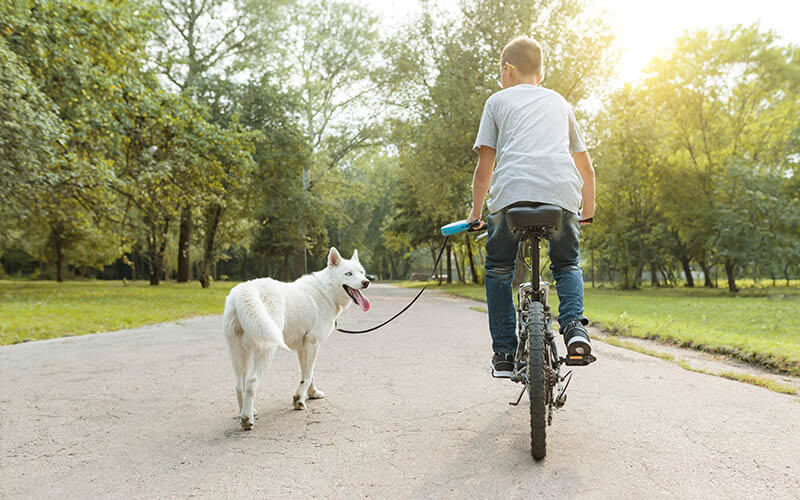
[537,379]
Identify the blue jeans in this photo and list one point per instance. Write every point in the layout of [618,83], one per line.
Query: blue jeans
[501,254]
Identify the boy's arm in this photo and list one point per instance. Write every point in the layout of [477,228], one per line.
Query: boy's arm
[481,180]
[584,164]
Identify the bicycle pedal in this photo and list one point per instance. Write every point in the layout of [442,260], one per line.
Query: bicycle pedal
[579,360]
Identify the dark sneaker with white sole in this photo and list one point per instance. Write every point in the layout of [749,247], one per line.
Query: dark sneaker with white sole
[502,365]
[576,339]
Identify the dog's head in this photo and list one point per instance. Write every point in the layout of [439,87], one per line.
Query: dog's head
[351,275]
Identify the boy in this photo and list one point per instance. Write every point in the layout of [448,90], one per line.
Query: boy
[541,157]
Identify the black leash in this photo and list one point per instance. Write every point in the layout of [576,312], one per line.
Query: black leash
[435,266]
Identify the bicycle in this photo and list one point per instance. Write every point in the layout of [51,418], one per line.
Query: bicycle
[537,364]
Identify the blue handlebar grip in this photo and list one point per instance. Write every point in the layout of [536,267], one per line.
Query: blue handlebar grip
[455,228]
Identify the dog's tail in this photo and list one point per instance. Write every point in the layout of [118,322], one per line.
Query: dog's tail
[255,320]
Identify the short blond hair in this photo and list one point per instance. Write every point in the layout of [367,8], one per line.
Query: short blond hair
[525,54]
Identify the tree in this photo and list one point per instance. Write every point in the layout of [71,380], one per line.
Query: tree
[29,131]
[729,97]
[79,55]
[329,56]
[443,69]
[628,157]
[200,40]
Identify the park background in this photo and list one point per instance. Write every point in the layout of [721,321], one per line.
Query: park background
[208,141]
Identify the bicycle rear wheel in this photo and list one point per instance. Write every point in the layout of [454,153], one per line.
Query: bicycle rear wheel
[537,379]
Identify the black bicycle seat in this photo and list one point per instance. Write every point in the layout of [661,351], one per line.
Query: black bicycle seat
[522,216]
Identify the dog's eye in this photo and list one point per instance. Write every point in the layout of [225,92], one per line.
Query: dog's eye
[348,273]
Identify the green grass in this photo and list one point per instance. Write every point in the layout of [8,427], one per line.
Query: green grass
[738,376]
[626,344]
[759,381]
[36,310]
[759,325]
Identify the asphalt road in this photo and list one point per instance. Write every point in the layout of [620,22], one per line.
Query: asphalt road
[411,411]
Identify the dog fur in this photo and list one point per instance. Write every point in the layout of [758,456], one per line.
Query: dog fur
[262,315]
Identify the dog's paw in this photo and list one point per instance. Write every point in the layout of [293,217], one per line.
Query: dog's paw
[246,422]
[316,394]
[297,403]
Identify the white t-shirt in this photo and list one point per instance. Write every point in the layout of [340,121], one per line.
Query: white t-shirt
[534,132]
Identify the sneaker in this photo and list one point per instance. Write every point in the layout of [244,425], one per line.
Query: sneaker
[502,365]
[576,339]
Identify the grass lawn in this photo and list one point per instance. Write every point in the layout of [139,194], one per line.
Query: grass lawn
[36,310]
[758,325]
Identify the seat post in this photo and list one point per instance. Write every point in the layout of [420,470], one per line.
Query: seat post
[534,240]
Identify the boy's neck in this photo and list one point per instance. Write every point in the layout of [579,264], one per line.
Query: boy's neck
[519,80]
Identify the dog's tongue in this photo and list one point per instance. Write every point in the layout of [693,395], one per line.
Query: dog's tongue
[362,301]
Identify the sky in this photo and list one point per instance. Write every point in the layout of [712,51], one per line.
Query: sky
[646,28]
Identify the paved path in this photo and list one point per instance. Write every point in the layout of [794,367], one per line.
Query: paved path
[410,412]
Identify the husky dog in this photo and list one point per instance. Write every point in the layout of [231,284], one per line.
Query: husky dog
[264,314]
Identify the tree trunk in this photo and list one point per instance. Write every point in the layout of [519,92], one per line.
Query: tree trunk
[300,263]
[637,275]
[152,255]
[687,270]
[654,275]
[393,269]
[706,274]
[449,266]
[668,276]
[213,216]
[458,268]
[301,254]
[162,251]
[184,245]
[285,270]
[730,272]
[475,277]
[439,271]
[461,267]
[58,244]
[406,269]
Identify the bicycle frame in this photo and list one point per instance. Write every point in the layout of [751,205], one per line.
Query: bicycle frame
[540,293]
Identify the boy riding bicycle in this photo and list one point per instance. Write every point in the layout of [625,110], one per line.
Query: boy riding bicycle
[541,157]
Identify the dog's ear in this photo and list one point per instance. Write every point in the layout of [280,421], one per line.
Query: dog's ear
[334,259]
[355,256]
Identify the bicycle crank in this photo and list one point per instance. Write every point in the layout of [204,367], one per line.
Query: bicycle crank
[562,389]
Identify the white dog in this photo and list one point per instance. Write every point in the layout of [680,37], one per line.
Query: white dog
[264,314]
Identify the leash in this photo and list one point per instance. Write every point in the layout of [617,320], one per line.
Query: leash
[435,266]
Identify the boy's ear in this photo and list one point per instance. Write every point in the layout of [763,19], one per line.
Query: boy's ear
[334,259]
[355,256]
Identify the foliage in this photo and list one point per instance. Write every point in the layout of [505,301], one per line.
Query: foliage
[443,69]
[710,158]
[283,127]
[79,55]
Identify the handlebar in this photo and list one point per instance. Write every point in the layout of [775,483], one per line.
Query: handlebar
[461,226]
[477,225]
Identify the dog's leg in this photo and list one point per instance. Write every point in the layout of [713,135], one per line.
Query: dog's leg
[306,357]
[237,356]
[253,370]
[237,360]
[313,392]
[258,362]
[265,362]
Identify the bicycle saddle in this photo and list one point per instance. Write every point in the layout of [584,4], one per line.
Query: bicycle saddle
[522,216]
